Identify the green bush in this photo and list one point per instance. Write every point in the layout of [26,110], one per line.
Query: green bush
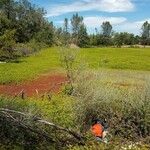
[7,46]
[29,48]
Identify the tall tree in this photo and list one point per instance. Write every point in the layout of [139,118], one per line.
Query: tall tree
[145,33]
[76,23]
[8,8]
[66,34]
[66,25]
[105,37]
[83,39]
[30,20]
[59,36]
[106,28]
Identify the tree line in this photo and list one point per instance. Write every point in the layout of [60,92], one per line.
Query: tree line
[24,30]
[105,36]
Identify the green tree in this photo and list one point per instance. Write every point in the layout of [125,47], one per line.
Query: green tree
[8,8]
[66,34]
[79,31]
[29,24]
[46,34]
[145,39]
[124,38]
[76,23]
[5,23]
[30,20]
[7,45]
[59,36]
[106,29]
[83,39]
[105,37]
[118,39]
[93,40]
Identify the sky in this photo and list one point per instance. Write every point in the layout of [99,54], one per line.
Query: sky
[124,15]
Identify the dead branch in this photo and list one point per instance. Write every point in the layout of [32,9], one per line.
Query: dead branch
[76,135]
[27,127]
[8,113]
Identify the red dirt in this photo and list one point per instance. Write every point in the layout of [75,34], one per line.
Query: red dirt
[45,83]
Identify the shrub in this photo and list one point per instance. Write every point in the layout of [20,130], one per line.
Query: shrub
[14,135]
[7,46]
[126,110]
[29,48]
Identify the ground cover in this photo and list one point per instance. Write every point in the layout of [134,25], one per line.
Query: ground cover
[48,60]
[29,67]
[117,58]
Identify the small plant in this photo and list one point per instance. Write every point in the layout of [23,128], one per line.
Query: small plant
[68,61]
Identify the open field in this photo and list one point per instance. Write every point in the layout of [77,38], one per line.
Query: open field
[30,67]
[118,58]
[48,61]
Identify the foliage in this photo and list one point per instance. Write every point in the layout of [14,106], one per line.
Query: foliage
[95,99]
[79,32]
[92,97]
[4,23]
[106,29]
[66,34]
[30,48]
[45,35]
[76,23]
[83,37]
[58,110]
[24,22]
[7,45]
[145,39]
[124,38]
[68,62]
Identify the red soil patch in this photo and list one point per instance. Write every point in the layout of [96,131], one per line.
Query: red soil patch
[45,83]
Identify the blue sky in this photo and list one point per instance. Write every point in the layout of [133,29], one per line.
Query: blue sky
[124,15]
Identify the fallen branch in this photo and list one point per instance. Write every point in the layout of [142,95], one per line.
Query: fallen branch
[8,113]
[27,127]
[76,135]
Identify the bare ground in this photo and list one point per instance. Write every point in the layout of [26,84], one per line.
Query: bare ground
[43,84]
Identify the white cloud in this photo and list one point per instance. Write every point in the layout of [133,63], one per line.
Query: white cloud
[97,21]
[132,27]
[87,5]
[120,24]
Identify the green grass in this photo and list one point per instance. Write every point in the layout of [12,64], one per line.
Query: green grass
[117,58]
[29,67]
[58,109]
[48,60]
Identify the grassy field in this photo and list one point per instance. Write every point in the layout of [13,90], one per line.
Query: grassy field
[48,60]
[118,58]
[30,67]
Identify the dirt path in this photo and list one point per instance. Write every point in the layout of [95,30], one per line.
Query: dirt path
[44,83]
